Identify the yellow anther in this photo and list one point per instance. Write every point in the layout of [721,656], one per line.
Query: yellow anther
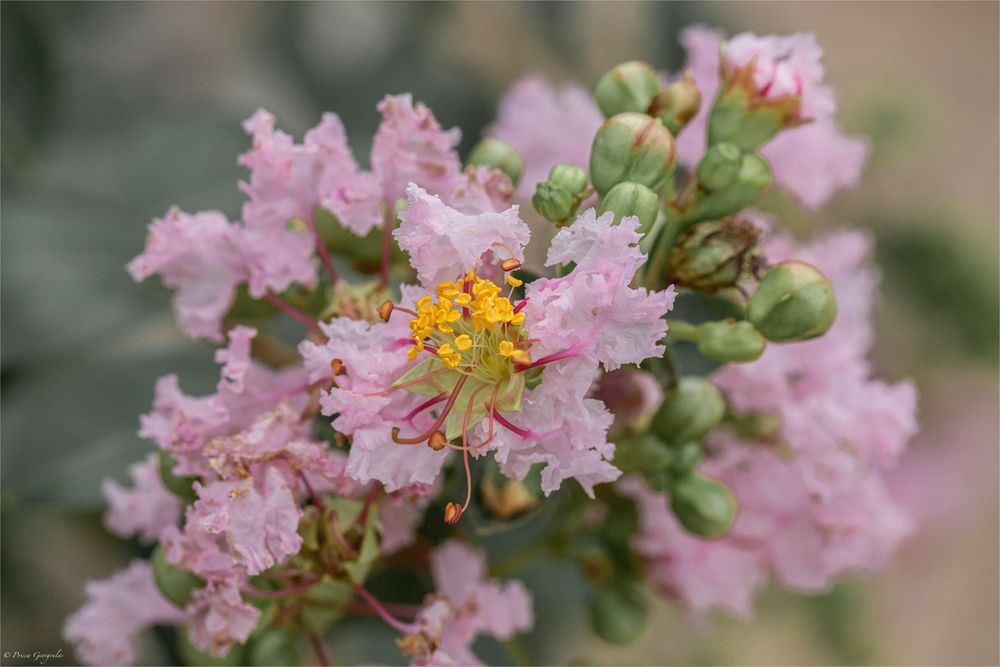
[444,328]
[412,353]
[463,342]
[514,282]
[451,293]
[506,348]
[453,360]
[520,357]
[463,299]
[424,302]
[518,319]
[453,316]
[445,350]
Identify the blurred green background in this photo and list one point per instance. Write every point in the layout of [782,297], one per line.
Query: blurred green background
[111,112]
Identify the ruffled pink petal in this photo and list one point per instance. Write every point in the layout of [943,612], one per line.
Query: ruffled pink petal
[445,244]
[200,256]
[144,510]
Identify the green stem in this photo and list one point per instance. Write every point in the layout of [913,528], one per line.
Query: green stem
[656,267]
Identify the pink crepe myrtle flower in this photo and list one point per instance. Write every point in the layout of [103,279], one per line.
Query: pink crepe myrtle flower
[409,145]
[218,618]
[146,509]
[811,161]
[467,604]
[443,242]
[199,256]
[104,629]
[547,125]
[284,186]
[471,350]
[184,424]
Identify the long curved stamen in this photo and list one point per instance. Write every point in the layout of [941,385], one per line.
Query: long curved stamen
[423,406]
[565,354]
[440,420]
[510,427]
[465,447]
[397,387]
[383,613]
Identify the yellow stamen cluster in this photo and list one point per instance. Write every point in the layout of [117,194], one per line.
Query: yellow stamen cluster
[464,310]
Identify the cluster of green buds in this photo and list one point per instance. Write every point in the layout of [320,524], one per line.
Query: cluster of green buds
[558,197]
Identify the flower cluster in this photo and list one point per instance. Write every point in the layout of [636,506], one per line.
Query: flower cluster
[433,352]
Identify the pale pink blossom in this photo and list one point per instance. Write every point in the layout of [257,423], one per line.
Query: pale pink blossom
[219,618]
[200,257]
[258,517]
[284,185]
[593,309]
[104,629]
[481,190]
[444,243]
[811,161]
[144,510]
[547,125]
[410,146]
[468,604]
[366,410]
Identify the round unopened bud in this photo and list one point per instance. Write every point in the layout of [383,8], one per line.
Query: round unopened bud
[714,254]
[553,202]
[618,612]
[752,178]
[793,302]
[630,86]
[176,584]
[629,198]
[452,513]
[571,177]
[507,498]
[632,147]
[703,506]
[677,104]
[497,154]
[690,411]
[720,167]
[730,341]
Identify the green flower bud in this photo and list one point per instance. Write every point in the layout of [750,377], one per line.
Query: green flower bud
[690,411]
[632,147]
[618,612]
[644,454]
[703,506]
[793,302]
[686,458]
[677,104]
[715,254]
[627,87]
[627,199]
[571,177]
[743,115]
[720,167]
[730,341]
[497,154]
[182,487]
[752,178]
[554,202]
[175,584]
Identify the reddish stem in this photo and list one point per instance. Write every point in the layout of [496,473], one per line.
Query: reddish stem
[383,613]
[281,593]
[292,311]
[319,648]
[324,255]
[440,420]
[510,427]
